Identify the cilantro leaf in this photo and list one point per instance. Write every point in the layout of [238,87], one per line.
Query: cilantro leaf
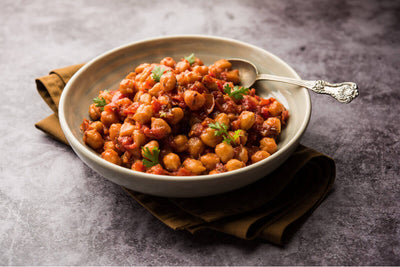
[227,139]
[236,135]
[222,130]
[100,102]
[237,91]
[191,59]
[150,158]
[157,72]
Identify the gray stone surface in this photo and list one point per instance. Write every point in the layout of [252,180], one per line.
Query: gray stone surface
[55,210]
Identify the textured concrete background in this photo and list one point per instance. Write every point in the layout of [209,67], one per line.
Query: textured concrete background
[55,210]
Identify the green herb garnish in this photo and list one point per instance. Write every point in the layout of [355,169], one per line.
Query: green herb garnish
[150,158]
[237,91]
[236,134]
[100,102]
[157,72]
[222,130]
[191,59]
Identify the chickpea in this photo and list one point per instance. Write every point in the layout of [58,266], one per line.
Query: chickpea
[181,79]
[192,77]
[124,103]
[109,117]
[224,151]
[150,145]
[126,159]
[234,164]
[168,61]
[210,82]
[214,172]
[222,118]
[209,138]
[180,143]
[106,95]
[127,87]
[111,156]
[172,162]
[272,126]
[98,126]
[141,67]
[195,147]
[247,119]
[276,108]
[94,112]
[181,66]
[126,129]
[137,96]
[177,115]
[164,100]
[160,125]
[168,81]
[268,144]
[114,130]
[93,139]
[193,99]
[210,160]
[193,165]
[109,145]
[197,62]
[259,155]
[202,70]
[131,76]
[156,89]
[222,64]
[145,75]
[139,138]
[232,76]
[145,99]
[241,154]
[143,114]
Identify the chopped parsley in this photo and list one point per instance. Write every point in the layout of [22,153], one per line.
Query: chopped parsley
[222,130]
[100,102]
[237,91]
[157,72]
[191,59]
[150,158]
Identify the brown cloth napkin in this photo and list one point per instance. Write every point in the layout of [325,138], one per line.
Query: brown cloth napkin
[271,208]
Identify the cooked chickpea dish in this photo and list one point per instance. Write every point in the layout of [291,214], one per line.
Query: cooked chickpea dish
[183,118]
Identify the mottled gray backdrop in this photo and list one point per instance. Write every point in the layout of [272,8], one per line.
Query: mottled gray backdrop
[55,210]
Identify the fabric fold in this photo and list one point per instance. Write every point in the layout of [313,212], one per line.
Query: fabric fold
[269,209]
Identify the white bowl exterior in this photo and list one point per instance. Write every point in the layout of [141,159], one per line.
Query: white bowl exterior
[107,70]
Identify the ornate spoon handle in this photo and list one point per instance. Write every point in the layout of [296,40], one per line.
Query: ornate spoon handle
[343,92]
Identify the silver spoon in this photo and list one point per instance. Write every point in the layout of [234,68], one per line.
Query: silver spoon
[343,92]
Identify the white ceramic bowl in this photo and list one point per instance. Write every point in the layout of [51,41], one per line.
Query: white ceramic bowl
[108,69]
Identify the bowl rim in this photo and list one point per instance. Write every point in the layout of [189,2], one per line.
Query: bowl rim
[75,144]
